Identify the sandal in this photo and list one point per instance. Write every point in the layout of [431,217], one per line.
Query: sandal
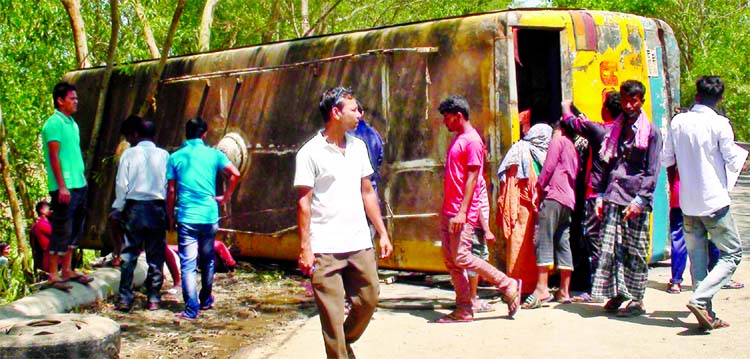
[453,317]
[633,309]
[674,288]
[532,302]
[704,319]
[718,324]
[613,305]
[563,300]
[483,307]
[582,298]
[733,285]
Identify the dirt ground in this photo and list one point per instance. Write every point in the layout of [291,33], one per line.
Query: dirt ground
[251,305]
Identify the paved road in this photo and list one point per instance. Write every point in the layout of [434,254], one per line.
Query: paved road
[557,331]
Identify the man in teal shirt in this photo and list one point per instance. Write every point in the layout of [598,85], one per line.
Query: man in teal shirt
[191,181]
[66,182]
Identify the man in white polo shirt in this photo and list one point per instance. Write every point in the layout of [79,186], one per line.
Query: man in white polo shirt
[334,194]
[701,143]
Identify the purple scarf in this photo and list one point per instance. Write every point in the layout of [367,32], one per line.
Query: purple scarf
[609,145]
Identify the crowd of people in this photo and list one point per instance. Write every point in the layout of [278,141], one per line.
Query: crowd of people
[339,214]
[154,192]
[623,156]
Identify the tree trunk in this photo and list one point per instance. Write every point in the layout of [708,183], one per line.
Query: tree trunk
[151,94]
[150,41]
[272,28]
[305,17]
[19,223]
[104,85]
[204,39]
[73,7]
[321,19]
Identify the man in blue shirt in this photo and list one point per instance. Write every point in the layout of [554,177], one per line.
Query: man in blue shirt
[374,143]
[191,181]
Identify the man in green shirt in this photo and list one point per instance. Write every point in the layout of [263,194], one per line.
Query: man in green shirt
[66,182]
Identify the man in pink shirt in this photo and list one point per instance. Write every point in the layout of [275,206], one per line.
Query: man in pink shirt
[460,214]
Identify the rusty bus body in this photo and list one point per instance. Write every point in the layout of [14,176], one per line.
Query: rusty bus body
[261,104]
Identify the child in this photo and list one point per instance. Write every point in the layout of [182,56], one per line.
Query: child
[40,235]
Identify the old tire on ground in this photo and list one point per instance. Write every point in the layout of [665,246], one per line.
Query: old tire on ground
[59,336]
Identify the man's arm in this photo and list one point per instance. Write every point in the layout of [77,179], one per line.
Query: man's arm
[372,209]
[457,222]
[727,148]
[121,182]
[171,193]
[54,160]
[306,257]
[580,124]
[553,157]
[234,178]
[667,154]
[645,193]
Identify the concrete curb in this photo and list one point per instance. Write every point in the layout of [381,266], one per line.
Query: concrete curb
[50,301]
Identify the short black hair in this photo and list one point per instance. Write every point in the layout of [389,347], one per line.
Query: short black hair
[333,97]
[131,125]
[710,89]
[632,88]
[39,206]
[360,108]
[195,128]
[613,104]
[61,90]
[455,104]
[147,129]
[3,246]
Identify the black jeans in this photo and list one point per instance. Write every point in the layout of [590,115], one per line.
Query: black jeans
[145,226]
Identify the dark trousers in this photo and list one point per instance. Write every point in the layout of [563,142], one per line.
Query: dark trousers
[145,228]
[67,220]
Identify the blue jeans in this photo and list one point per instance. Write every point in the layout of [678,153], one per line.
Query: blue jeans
[680,252]
[196,245]
[720,225]
[145,227]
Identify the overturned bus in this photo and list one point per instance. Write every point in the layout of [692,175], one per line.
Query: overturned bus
[261,105]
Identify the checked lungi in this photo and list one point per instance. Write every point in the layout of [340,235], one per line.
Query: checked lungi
[623,262]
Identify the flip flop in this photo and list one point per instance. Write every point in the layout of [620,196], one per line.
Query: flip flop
[704,319]
[674,288]
[565,300]
[718,324]
[452,317]
[613,305]
[514,302]
[582,298]
[733,285]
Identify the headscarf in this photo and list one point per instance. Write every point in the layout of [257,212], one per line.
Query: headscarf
[535,143]
[642,131]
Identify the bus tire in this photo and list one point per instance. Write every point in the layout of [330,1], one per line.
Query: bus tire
[60,336]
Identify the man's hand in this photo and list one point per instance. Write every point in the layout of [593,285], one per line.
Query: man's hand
[456,224]
[632,211]
[63,195]
[567,106]
[599,208]
[306,261]
[386,248]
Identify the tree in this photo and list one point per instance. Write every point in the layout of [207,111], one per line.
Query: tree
[73,8]
[104,85]
[204,41]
